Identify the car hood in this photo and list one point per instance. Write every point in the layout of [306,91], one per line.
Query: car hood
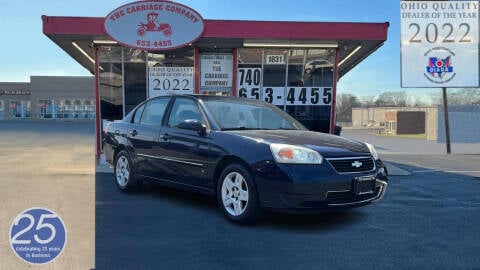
[326,144]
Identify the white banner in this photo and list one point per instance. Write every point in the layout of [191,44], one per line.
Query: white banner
[170,80]
[216,71]
[439,43]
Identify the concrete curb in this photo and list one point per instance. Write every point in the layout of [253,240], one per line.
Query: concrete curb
[103,168]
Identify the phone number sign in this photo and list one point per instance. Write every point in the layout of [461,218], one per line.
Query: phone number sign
[249,86]
[439,43]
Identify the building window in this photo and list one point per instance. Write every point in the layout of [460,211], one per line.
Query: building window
[391,127]
[134,79]
[2,114]
[310,87]
[216,74]
[171,72]
[45,109]
[69,109]
[20,109]
[59,110]
[89,109]
[110,76]
[274,67]
[299,81]
[250,74]
[77,109]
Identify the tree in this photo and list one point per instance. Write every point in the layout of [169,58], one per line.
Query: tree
[464,96]
[391,98]
[344,105]
[367,101]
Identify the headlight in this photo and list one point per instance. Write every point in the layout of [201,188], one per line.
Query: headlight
[286,153]
[372,150]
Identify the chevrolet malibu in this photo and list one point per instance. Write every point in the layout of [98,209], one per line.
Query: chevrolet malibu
[250,154]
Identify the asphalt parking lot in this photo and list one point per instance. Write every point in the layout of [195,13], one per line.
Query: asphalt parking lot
[429,219]
[49,164]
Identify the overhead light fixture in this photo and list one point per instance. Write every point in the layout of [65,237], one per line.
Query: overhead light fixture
[289,45]
[83,52]
[350,55]
[104,42]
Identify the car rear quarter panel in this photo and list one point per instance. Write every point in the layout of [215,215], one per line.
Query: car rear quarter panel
[115,139]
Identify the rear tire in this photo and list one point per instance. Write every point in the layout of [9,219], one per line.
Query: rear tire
[124,172]
[237,195]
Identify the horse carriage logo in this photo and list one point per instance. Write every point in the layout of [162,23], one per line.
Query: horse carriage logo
[153,25]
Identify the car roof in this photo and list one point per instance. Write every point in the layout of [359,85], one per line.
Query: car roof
[209,97]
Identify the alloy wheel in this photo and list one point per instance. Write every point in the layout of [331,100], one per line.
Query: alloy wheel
[235,193]
[122,171]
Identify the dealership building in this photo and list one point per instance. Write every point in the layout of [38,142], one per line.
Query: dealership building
[152,48]
[48,97]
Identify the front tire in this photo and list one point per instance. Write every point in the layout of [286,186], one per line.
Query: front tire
[237,195]
[124,172]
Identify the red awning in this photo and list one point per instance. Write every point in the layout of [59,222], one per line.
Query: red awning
[365,37]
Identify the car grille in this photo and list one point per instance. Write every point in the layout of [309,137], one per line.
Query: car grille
[352,165]
[345,197]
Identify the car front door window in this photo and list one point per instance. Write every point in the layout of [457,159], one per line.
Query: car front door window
[184,109]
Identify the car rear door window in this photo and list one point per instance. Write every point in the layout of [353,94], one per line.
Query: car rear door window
[138,114]
[154,111]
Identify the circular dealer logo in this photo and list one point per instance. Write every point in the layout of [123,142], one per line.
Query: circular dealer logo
[38,235]
[440,65]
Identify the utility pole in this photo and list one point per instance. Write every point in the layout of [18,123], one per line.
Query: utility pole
[445,116]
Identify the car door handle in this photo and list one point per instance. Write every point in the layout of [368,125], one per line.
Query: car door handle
[166,137]
[133,132]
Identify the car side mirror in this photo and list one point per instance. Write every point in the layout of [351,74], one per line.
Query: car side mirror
[194,125]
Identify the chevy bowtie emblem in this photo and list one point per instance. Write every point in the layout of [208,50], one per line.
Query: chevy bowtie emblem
[357,164]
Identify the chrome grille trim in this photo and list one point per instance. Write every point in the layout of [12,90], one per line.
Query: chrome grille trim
[331,161]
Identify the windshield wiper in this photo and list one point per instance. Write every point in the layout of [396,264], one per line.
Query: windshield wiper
[287,128]
[250,128]
[280,128]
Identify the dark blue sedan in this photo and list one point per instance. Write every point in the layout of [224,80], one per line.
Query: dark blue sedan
[250,154]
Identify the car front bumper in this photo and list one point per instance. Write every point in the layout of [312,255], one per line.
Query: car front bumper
[317,190]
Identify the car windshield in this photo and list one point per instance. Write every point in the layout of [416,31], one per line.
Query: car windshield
[233,114]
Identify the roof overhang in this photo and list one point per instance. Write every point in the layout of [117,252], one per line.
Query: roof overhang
[356,41]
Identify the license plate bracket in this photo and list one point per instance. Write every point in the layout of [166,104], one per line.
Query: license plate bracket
[364,185]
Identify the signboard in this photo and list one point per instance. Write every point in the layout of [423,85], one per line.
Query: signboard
[15,92]
[249,86]
[170,80]
[302,96]
[154,25]
[439,43]
[277,59]
[216,71]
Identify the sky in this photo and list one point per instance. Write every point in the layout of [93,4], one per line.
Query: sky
[26,51]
